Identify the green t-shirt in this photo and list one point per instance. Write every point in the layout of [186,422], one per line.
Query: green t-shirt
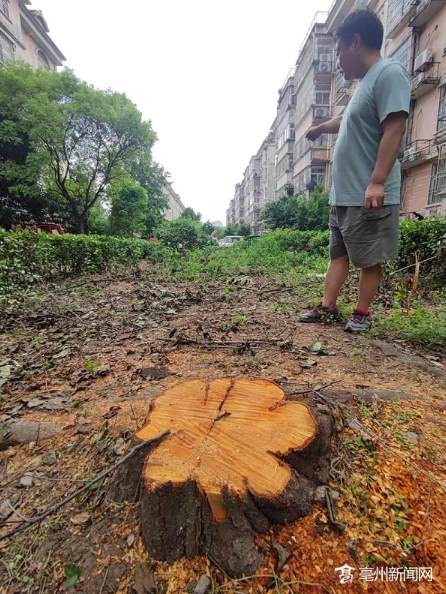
[385,89]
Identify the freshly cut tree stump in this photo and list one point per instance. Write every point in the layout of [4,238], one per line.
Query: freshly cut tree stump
[222,474]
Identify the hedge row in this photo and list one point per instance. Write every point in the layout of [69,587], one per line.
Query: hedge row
[26,258]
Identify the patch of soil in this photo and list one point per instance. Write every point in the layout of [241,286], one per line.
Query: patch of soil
[77,360]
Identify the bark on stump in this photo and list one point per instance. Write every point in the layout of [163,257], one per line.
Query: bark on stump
[238,458]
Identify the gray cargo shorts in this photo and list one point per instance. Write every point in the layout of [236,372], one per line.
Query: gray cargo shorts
[367,237]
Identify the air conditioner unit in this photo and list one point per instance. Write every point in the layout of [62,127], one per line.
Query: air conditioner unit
[324,67]
[321,112]
[324,58]
[416,81]
[423,59]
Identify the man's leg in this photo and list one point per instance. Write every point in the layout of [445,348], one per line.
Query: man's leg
[336,276]
[369,280]
[368,286]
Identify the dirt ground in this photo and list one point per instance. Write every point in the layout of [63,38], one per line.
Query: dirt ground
[79,369]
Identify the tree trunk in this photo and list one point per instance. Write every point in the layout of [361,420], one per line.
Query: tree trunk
[225,472]
[82,224]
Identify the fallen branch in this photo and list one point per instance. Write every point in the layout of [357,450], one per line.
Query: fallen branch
[315,390]
[102,475]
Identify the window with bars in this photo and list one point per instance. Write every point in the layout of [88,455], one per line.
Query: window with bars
[6,49]
[4,7]
[402,52]
[322,98]
[438,177]
[441,122]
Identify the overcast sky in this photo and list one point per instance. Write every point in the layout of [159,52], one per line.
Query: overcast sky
[205,73]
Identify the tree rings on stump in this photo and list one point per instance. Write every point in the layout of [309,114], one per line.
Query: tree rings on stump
[224,473]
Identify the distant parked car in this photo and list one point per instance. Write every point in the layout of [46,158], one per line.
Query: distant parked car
[230,240]
[51,228]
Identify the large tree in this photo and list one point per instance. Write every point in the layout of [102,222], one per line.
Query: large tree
[80,139]
[150,176]
[22,197]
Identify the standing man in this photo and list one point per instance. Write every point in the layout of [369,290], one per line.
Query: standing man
[365,194]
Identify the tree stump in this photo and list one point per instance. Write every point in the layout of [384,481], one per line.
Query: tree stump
[226,471]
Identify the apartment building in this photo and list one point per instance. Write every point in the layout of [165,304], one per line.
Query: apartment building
[285,134]
[267,158]
[235,215]
[175,207]
[314,91]
[24,35]
[424,162]
[251,191]
[414,34]
[315,67]
[257,187]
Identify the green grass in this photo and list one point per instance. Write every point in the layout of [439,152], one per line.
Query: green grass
[423,325]
[299,260]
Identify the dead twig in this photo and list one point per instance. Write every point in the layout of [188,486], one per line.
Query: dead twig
[315,390]
[413,265]
[102,475]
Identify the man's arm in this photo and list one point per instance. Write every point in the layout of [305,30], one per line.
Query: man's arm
[330,127]
[393,127]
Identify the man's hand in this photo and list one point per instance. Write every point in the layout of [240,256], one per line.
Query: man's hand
[313,133]
[374,196]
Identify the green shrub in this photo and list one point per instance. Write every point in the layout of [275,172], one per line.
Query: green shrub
[26,258]
[427,239]
[182,233]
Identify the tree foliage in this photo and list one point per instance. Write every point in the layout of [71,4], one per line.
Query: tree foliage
[208,228]
[298,211]
[182,233]
[243,230]
[67,141]
[189,213]
[129,206]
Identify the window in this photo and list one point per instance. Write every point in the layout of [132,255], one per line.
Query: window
[441,123]
[402,52]
[322,98]
[43,60]
[318,173]
[321,142]
[438,177]
[6,49]
[4,7]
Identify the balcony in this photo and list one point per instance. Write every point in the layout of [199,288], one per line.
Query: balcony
[424,11]
[399,14]
[320,155]
[323,55]
[419,152]
[344,94]
[425,81]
